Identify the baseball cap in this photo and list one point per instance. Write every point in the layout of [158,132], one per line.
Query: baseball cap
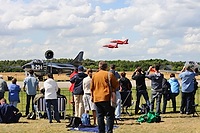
[80,68]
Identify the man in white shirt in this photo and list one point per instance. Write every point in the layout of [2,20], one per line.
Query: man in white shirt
[51,88]
[87,99]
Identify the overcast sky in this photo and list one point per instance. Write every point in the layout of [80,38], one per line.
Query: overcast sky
[162,29]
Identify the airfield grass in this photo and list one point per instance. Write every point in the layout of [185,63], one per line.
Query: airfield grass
[170,122]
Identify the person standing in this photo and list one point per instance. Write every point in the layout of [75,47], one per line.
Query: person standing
[3,87]
[141,88]
[187,76]
[174,90]
[102,93]
[51,88]
[156,87]
[87,99]
[125,91]
[166,94]
[125,83]
[118,95]
[30,87]
[13,95]
[77,79]
[71,88]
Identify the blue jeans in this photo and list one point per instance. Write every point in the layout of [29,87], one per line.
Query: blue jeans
[118,108]
[156,96]
[105,109]
[14,103]
[53,102]
[139,93]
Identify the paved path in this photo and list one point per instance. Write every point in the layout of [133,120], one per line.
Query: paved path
[67,83]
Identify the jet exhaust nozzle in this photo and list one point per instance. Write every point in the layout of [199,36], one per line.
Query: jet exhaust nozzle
[49,54]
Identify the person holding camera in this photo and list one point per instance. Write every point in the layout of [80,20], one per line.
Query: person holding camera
[187,76]
[141,88]
[156,86]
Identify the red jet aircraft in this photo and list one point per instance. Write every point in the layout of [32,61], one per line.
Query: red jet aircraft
[120,41]
[111,45]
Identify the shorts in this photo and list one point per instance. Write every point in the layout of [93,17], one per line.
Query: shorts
[88,104]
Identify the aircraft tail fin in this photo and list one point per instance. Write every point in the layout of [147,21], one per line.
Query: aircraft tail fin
[78,59]
[126,41]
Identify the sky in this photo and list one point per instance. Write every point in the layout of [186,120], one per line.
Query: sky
[156,29]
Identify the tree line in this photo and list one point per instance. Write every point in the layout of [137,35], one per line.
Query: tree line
[121,65]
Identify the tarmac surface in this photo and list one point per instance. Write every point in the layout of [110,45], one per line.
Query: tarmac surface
[66,84]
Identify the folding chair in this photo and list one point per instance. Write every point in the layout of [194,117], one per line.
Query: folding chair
[41,107]
[126,97]
[62,106]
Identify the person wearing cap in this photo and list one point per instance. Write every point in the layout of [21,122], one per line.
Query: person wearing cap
[14,90]
[31,85]
[3,87]
[187,76]
[141,88]
[77,79]
[51,88]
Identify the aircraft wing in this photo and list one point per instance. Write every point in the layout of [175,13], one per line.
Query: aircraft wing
[61,66]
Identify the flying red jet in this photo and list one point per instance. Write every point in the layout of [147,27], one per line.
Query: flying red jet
[120,41]
[111,45]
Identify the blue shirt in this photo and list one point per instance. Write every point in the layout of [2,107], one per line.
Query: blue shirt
[13,92]
[174,85]
[187,78]
[31,82]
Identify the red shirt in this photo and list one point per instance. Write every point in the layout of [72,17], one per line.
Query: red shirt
[71,88]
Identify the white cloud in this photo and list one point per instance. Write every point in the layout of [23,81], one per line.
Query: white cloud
[154,50]
[163,42]
[25,41]
[155,29]
[192,35]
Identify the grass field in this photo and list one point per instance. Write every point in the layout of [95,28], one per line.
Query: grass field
[171,122]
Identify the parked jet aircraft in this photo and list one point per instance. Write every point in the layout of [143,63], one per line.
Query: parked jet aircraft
[111,45]
[42,67]
[120,41]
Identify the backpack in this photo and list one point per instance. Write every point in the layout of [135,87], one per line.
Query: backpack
[74,122]
[85,119]
[150,117]
[31,116]
[153,117]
